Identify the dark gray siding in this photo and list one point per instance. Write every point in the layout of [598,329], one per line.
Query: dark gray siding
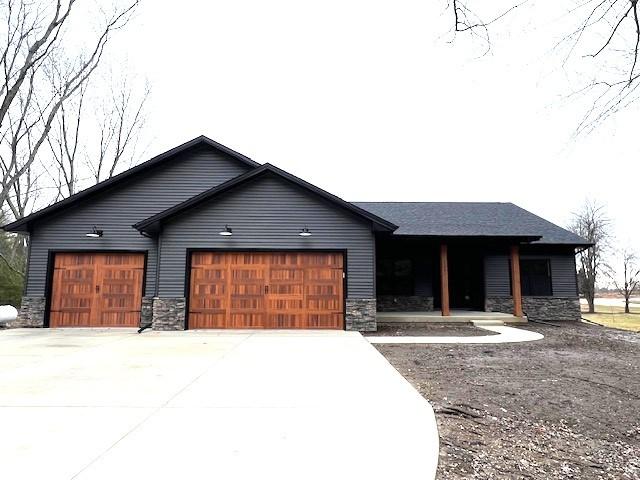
[563,274]
[268,213]
[496,275]
[116,210]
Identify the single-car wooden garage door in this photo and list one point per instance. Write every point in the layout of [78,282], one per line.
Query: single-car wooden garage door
[97,290]
[266,290]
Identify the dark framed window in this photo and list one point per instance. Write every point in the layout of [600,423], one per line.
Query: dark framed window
[394,277]
[535,277]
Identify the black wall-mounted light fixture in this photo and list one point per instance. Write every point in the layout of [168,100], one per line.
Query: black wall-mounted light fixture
[94,233]
[305,232]
[227,232]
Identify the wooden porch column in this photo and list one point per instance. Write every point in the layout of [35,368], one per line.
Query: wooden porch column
[444,281]
[516,291]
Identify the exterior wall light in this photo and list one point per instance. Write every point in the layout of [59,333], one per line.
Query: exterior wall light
[94,233]
[305,232]
[227,232]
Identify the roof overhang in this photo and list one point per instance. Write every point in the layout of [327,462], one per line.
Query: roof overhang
[153,224]
[448,237]
[23,224]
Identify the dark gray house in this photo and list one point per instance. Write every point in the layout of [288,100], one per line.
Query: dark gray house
[203,237]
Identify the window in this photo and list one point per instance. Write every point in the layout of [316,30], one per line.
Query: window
[535,276]
[395,277]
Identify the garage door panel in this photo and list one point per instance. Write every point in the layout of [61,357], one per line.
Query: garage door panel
[325,320]
[118,319]
[268,290]
[209,320]
[79,318]
[247,320]
[97,290]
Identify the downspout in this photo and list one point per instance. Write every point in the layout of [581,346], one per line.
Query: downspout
[158,241]
[26,270]
[156,292]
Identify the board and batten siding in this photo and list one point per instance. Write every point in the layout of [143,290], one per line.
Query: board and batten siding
[563,274]
[117,209]
[267,214]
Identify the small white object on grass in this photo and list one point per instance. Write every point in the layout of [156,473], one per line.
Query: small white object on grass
[8,313]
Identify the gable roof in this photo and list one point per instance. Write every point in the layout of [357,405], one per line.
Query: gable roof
[23,223]
[472,219]
[152,224]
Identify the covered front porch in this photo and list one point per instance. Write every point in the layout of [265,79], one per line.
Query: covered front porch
[449,279]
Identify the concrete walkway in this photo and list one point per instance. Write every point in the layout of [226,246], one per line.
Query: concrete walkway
[91,404]
[505,335]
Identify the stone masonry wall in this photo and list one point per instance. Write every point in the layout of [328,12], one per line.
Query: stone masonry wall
[31,313]
[169,313]
[539,308]
[404,303]
[552,308]
[361,314]
[499,304]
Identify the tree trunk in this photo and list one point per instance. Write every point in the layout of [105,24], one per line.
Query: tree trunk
[592,303]
[626,305]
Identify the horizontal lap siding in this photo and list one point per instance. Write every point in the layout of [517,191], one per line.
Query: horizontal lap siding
[496,275]
[268,214]
[116,210]
[563,274]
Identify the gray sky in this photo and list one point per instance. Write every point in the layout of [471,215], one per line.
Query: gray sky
[371,101]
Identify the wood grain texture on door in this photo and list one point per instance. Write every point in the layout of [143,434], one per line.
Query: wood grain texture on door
[289,290]
[97,290]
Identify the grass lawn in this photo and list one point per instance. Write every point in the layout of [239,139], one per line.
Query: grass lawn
[614,316]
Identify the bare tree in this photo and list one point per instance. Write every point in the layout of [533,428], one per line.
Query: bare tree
[40,77]
[466,20]
[592,224]
[121,120]
[605,34]
[64,143]
[629,283]
[112,122]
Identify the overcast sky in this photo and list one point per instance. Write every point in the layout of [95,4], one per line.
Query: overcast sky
[370,100]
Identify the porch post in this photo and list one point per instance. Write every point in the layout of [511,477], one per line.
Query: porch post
[516,291]
[444,280]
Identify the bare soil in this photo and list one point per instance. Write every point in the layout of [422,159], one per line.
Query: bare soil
[432,329]
[565,407]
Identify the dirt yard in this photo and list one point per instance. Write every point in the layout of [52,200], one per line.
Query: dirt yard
[565,407]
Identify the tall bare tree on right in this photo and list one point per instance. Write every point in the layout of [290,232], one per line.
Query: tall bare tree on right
[592,224]
[627,283]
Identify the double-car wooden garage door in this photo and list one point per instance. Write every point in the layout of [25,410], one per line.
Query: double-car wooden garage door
[266,290]
[97,290]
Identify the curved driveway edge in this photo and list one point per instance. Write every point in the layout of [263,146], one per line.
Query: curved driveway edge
[505,335]
[88,404]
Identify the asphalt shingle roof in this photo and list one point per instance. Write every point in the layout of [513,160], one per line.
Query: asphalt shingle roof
[469,219]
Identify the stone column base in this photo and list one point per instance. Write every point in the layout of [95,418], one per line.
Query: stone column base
[499,305]
[360,314]
[539,308]
[169,313]
[31,313]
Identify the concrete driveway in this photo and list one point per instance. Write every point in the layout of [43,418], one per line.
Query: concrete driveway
[105,404]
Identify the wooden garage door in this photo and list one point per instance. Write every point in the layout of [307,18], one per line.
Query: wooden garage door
[97,290]
[266,290]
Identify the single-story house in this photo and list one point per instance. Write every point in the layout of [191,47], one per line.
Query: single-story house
[203,237]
